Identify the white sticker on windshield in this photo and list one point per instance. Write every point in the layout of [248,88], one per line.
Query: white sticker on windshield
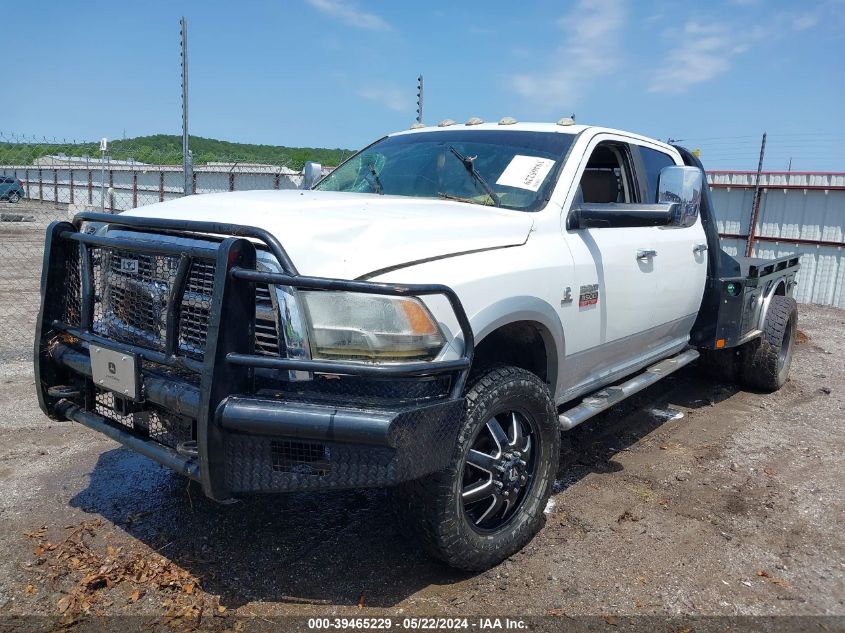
[526,172]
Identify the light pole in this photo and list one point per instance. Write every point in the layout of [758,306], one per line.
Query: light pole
[104,146]
[187,163]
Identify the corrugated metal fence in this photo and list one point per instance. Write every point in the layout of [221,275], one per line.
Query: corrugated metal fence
[800,213]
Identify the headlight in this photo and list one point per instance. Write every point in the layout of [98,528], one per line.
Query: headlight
[356,326]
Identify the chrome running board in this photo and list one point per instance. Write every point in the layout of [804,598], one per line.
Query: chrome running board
[607,397]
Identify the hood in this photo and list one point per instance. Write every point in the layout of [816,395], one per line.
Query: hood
[352,235]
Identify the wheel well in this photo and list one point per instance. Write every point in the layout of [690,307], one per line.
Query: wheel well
[522,344]
[780,289]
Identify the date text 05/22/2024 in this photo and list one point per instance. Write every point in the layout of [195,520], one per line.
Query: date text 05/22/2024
[417,623]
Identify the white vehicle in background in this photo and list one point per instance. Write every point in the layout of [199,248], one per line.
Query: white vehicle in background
[429,317]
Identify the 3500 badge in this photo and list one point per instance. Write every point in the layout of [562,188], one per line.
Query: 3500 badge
[589,295]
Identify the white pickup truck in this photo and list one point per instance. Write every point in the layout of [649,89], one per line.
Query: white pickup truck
[429,317]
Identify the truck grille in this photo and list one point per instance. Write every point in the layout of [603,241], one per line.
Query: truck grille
[131,294]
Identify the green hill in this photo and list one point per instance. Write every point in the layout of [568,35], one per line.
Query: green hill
[166,149]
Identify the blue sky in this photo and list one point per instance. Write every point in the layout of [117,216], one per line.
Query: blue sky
[340,73]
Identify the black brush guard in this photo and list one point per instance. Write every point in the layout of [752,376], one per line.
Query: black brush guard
[239,433]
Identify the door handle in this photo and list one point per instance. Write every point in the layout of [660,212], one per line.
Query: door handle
[646,253]
[699,248]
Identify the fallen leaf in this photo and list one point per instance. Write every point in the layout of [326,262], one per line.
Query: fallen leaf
[136,595]
[221,609]
[188,587]
[611,620]
[63,604]
[30,589]
[762,573]
[361,602]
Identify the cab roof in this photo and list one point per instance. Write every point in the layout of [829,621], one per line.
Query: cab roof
[529,126]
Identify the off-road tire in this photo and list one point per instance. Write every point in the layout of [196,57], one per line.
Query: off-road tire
[431,509]
[14,197]
[719,364]
[765,361]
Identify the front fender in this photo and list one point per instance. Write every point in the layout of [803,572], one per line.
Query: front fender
[525,308]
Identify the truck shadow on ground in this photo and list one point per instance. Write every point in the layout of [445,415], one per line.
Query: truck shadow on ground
[338,548]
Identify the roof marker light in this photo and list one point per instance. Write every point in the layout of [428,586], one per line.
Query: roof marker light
[416,125]
[567,120]
[446,123]
[474,121]
[507,120]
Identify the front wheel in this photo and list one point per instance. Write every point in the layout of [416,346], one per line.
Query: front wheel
[14,197]
[489,502]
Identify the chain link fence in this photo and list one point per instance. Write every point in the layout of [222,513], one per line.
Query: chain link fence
[42,180]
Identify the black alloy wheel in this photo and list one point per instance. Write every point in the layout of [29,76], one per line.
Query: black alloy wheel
[498,470]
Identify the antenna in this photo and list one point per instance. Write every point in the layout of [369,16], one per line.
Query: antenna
[420,99]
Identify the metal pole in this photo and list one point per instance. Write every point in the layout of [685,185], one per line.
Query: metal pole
[103,181]
[420,99]
[187,166]
[755,207]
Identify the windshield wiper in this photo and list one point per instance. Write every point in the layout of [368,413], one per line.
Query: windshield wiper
[469,165]
[449,196]
[376,184]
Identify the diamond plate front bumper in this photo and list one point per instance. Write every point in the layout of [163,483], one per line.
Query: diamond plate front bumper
[214,417]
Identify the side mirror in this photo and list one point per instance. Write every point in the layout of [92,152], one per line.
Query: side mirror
[311,174]
[681,186]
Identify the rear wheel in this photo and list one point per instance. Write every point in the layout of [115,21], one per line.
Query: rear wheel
[765,361]
[489,502]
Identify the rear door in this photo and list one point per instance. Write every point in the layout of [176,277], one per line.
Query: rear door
[681,250]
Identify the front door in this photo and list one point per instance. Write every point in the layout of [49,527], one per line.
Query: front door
[630,299]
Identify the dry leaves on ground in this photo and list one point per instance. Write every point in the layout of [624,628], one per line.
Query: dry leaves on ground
[101,576]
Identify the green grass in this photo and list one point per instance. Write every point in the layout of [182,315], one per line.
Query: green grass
[166,149]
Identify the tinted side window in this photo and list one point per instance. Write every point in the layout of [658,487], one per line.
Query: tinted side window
[653,161]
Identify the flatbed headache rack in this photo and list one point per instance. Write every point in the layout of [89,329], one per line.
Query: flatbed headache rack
[228,364]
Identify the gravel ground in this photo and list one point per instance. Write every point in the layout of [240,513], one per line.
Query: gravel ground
[735,507]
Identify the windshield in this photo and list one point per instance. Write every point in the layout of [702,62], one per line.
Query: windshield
[507,168]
